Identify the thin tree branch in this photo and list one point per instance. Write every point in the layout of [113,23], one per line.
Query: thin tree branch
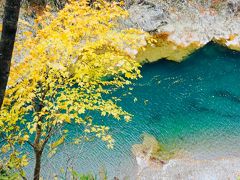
[30,144]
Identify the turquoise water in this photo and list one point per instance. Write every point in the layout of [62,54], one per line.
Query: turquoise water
[192,106]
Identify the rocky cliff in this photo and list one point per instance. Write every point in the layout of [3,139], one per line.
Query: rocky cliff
[179,26]
[182,26]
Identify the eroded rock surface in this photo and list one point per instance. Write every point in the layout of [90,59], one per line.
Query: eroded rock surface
[187,23]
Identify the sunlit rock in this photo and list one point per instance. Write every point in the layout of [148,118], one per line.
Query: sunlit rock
[150,153]
[188,25]
[167,48]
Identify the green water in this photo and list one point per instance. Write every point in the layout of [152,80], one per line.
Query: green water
[192,106]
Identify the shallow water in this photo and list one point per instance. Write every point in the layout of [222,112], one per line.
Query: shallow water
[192,106]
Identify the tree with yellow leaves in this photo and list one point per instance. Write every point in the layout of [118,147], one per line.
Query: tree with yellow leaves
[73,61]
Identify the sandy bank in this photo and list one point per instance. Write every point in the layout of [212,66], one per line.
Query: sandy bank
[187,168]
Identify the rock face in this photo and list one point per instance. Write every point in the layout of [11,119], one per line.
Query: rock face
[189,24]
[148,16]
[180,26]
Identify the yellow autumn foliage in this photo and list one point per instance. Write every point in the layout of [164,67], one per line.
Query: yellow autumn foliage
[70,64]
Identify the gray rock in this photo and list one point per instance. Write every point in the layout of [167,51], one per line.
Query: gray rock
[233,7]
[188,21]
[148,15]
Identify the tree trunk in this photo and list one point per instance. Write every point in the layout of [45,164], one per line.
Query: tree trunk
[38,148]
[11,14]
[37,169]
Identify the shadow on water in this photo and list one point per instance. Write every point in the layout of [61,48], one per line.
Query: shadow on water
[227,95]
[209,52]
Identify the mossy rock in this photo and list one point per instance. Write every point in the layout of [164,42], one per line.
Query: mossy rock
[152,150]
